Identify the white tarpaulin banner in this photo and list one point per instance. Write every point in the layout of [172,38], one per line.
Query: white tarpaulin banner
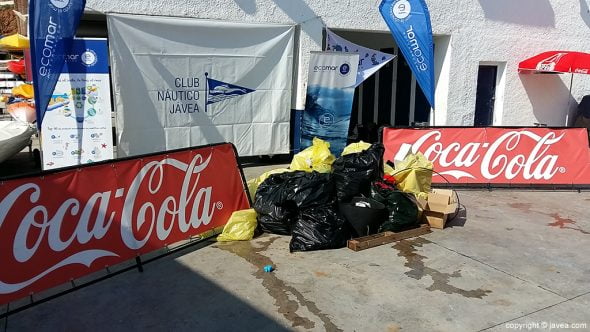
[370,61]
[182,82]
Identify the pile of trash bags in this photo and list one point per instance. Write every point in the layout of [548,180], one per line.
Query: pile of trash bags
[323,201]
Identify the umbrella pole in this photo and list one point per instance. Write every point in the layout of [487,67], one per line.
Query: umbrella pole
[569,101]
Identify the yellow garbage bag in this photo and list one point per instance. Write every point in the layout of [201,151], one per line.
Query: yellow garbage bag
[414,175]
[254,183]
[317,158]
[355,148]
[239,227]
[24,90]
[388,170]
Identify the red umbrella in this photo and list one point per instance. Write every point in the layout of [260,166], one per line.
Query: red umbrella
[557,62]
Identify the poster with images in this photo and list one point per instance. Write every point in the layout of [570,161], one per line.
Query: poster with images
[328,104]
[77,128]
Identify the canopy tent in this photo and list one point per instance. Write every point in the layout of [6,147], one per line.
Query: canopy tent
[557,62]
[14,42]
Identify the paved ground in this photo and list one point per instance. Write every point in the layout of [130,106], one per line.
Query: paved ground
[510,260]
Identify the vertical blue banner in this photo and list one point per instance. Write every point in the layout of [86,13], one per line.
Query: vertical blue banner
[330,93]
[52,26]
[409,22]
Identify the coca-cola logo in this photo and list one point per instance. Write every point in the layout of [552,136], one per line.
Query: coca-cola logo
[502,158]
[182,208]
[550,63]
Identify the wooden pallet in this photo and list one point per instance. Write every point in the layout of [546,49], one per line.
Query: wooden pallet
[370,241]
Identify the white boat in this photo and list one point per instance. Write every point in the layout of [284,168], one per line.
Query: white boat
[14,136]
[22,111]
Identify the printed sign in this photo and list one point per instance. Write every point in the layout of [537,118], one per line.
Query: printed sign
[328,104]
[77,128]
[180,82]
[497,155]
[70,223]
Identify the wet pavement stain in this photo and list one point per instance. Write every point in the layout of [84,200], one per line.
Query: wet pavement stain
[440,280]
[277,287]
[560,222]
[563,222]
[525,207]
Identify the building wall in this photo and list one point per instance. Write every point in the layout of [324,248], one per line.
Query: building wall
[472,32]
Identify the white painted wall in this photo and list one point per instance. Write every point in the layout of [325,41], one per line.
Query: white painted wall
[502,31]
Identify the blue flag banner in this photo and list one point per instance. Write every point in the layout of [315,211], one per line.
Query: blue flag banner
[52,26]
[409,22]
[220,91]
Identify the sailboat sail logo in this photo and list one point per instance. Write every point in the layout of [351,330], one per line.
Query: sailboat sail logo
[550,63]
[220,91]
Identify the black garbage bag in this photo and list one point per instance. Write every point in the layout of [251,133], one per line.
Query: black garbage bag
[402,207]
[364,215]
[319,228]
[311,189]
[281,196]
[353,173]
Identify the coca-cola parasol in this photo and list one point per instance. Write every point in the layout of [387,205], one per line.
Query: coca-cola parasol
[557,62]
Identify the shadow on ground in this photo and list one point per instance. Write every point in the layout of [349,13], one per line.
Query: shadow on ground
[459,219]
[166,296]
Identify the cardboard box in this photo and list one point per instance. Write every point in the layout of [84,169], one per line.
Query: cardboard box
[441,203]
[422,203]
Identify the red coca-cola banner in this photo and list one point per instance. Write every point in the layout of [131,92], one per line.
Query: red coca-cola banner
[67,224]
[497,155]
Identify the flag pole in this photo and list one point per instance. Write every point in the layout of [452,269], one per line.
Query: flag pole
[206,89]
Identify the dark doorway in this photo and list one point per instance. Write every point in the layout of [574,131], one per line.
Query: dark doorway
[421,107]
[486,96]
[385,91]
[403,92]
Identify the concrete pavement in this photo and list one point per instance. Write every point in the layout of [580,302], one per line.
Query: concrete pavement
[509,260]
